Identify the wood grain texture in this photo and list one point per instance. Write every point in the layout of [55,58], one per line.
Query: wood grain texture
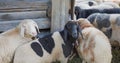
[11,5]
[22,15]
[43,23]
[60,14]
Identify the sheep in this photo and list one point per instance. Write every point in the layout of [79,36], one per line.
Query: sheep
[83,6]
[112,4]
[95,46]
[13,38]
[104,5]
[101,6]
[86,4]
[56,46]
[109,24]
[90,3]
[84,13]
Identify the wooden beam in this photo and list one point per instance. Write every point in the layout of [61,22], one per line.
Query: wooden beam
[43,23]
[22,0]
[72,9]
[22,15]
[8,5]
[60,13]
[23,9]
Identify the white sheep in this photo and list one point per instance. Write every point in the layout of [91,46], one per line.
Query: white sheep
[94,47]
[13,38]
[105,5]
[109,24]
[57,46]
[112,4]
[86,4]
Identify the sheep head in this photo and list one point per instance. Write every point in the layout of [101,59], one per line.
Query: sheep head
[71,30]
[77,12]
[83,23]
[28,28]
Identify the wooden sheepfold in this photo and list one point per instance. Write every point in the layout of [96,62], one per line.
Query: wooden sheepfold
[49,14]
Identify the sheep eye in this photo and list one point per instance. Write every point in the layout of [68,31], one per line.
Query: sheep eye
[69,26]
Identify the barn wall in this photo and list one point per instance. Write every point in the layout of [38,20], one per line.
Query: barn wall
[13,11]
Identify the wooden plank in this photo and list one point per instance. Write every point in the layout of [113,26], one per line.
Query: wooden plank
[23,0]
[22,15]
[23,9]
[43,23]
[60,14]
[72,3]
[23,5]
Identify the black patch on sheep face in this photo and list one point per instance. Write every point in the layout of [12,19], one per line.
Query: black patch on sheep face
[37,48]
[103,21]
[47,43]
[118,20]
[108,33]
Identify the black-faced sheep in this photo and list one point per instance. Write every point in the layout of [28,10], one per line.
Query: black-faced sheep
[57,46]
[95,46]
[84,13]
[109,24]
[13,38]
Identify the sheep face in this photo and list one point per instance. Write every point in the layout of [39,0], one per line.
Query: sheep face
[72,29]
[29,28]
[77,12]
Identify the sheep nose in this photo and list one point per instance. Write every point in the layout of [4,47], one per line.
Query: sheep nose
[74,35]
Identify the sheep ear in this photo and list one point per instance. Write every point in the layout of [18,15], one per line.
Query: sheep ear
[22,31]
[65,34]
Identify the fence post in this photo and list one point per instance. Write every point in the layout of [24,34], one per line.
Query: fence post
[60,14]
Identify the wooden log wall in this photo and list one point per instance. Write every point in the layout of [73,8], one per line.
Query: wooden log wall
[13,11]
